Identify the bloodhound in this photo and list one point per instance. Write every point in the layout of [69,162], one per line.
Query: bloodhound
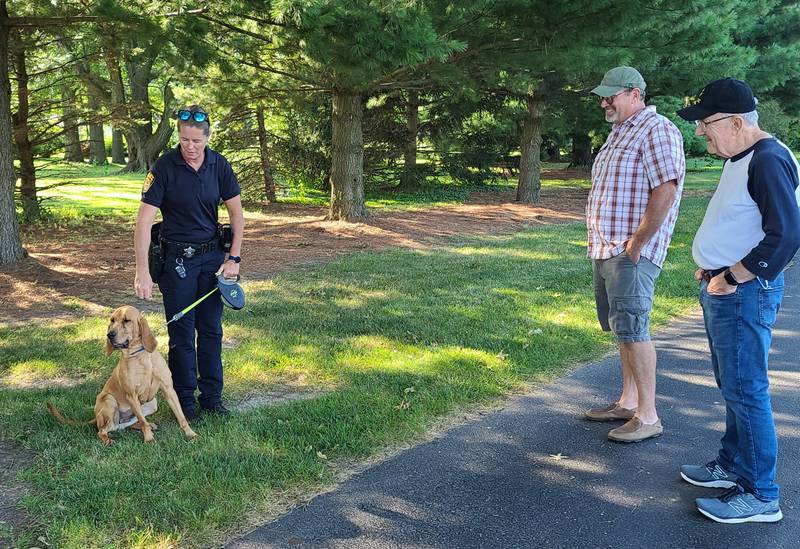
[130,393]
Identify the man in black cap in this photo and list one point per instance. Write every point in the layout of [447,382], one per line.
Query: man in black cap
[750,232]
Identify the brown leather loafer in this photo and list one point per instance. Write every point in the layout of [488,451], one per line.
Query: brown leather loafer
[611,412]
[636,431]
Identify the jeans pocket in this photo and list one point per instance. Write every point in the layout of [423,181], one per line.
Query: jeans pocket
[731,295]
[769,303]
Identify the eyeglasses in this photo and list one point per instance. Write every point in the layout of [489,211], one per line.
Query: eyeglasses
[703,123]
[198,116]
[610,100]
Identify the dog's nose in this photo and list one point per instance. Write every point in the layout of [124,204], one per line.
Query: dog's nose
[111,334]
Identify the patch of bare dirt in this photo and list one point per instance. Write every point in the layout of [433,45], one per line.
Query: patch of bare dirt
[64,276]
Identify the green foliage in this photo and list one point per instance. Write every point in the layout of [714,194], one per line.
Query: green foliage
[773,119]
[303,150]
[693,144]
[351,44]
[484,140]
[771,31]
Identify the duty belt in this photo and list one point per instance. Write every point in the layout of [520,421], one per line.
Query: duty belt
[188,250]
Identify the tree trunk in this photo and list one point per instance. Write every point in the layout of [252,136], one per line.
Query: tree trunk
[117,147]
[144,144]
[111,56]
[97,141]
[263,147]
[10,245]
[581,150]
[132,153]
[409,177]
[347,163]
[72,146]
[530,163]
[27,170]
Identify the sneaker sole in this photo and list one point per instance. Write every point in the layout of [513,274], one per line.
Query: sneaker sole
[772,517]
[710,484]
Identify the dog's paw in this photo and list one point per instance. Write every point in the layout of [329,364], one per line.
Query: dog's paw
[190,434]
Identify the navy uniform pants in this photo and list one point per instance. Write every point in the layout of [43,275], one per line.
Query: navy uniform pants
[194,366]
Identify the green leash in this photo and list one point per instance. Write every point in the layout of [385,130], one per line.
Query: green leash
[179,315]
[232,296]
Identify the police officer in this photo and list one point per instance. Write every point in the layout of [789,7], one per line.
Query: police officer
[187,184]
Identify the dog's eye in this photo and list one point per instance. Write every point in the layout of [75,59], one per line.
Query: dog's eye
[127,320]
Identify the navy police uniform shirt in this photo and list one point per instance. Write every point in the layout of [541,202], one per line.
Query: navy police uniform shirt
[189,200]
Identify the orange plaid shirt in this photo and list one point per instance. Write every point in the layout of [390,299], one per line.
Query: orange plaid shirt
[641,153]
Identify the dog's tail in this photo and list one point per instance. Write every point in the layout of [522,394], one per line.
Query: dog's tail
[57,414]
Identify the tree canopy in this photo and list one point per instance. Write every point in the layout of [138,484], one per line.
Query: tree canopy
[346,94]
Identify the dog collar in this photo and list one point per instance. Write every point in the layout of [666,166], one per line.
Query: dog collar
[137,351]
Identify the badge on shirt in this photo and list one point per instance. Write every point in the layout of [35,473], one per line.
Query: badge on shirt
[148,181]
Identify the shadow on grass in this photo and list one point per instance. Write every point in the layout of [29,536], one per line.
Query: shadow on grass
[534,474]
[401,336]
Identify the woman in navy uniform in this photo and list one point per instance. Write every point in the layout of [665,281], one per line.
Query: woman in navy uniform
[187,184]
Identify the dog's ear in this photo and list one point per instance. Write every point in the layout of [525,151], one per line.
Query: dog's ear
[109,347]
[148,340]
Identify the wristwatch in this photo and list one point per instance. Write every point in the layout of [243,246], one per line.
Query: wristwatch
[234,258]
[729,278]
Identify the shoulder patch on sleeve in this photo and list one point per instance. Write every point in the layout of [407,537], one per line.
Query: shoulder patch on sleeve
[148,181]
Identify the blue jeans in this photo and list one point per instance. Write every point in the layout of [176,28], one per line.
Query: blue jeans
[739,329]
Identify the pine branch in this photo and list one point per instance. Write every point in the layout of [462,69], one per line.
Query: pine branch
[236,29]
[49,21]
[261,21]
[179,13]
[256,65]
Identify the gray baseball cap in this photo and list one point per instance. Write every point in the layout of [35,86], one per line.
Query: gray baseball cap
[618,79]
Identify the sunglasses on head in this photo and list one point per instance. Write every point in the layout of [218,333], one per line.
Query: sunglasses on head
[198,116]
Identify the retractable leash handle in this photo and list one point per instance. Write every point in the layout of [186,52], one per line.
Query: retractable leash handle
[232,294]
[230,291]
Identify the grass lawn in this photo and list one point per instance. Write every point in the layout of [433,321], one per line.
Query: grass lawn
[73,192]
[395,340]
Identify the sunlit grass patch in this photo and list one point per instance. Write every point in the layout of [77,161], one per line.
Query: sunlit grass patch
[388,342]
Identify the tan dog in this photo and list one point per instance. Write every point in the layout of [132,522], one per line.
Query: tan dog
[130,393]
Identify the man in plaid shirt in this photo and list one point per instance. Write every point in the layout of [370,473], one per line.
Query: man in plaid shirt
[637,179]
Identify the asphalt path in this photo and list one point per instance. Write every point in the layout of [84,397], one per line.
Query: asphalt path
[534,474]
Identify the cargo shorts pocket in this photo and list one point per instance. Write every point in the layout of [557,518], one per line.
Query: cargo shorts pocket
[629,316]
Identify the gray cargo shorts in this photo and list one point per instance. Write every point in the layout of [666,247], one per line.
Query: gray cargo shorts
[624,296]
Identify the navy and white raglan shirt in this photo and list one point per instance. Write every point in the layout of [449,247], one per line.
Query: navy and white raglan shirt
[754,215]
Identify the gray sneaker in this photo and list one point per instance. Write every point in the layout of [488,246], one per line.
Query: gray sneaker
[710,475]
[736,505]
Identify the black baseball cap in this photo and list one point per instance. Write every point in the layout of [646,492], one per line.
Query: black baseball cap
[724,95]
